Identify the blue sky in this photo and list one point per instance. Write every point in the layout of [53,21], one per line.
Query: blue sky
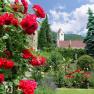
[68,4]
[70,15]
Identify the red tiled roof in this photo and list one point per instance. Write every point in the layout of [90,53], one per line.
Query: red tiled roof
[72,44]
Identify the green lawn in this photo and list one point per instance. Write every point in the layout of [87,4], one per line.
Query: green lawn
[74,91]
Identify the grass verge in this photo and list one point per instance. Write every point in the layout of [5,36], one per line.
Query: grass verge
[74,91]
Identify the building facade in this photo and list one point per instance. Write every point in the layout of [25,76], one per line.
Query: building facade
[61,43]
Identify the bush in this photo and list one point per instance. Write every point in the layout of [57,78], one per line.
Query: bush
[86,62]
[55,59]
[91,80]
[80,81]
[71,53]
[58,76]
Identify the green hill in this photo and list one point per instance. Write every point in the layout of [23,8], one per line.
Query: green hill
[67,37]
[73,37]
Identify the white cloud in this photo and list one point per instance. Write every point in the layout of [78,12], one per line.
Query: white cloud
[74,22]
[91,1]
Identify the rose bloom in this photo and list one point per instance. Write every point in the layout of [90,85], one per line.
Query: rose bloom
[15,22]
[7,18]
[29,24]
[39,11]
[25,4]
[8,64]
[38,61]
[16,1]
[27,86]
[42,59]
[1,21]
[26,54]
[1,62]
[1,78]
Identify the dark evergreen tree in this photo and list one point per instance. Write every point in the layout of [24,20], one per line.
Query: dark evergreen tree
[44,36]
[89,39]
[54,38]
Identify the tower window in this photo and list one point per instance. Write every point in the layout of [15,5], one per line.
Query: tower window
[61,34]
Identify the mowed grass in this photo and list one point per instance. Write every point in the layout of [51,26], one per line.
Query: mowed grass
[74,91]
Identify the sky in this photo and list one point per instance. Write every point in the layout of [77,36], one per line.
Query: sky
[69,15]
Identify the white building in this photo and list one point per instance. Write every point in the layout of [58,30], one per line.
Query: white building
[61,43]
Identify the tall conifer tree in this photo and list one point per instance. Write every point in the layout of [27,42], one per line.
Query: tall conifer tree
[44,37]
[89,39]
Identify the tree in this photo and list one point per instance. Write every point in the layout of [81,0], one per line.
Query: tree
[86,63]
[44,37]
[89,39]
[54,38]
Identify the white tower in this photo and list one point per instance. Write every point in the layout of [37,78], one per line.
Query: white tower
[60,36]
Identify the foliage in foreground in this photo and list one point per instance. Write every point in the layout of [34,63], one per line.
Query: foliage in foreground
[15,58]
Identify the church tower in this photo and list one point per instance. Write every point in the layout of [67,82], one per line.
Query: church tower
[60,36]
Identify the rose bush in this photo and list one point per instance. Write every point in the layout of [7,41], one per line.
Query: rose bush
[15,58]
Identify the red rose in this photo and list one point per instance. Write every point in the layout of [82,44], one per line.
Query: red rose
[42,59]
[38,61]
[35,62]
[16,1]
[25,4]
[26,54]
[39,11]
[27,86]
[29,24]
[1,21]
[1,78]
[7,18]
[8,64]
[15,22]
[1,62]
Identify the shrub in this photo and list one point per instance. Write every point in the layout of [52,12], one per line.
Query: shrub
[71,53]
[86,62]
[59,77]
[91,80]
[55,59]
